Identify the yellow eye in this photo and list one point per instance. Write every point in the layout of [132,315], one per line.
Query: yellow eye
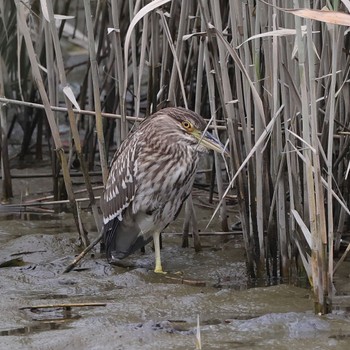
[187,125]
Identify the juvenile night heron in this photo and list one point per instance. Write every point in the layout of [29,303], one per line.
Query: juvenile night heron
[151,175]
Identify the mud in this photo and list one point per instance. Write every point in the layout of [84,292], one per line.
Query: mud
[144,310]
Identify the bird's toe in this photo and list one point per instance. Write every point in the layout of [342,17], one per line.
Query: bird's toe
[159,269]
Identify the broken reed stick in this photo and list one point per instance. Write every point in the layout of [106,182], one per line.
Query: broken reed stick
[209,233]
[64,306]
[33,204]
[189,282]
[75,174]
[342,258]
[4,100]
[43,175]
[41,199]
[74,263]
[15,208]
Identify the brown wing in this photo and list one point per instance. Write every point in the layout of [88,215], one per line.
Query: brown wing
[120,186]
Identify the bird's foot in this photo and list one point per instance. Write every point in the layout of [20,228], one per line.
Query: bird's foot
[159,269]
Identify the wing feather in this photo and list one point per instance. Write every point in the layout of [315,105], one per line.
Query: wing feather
[121,184]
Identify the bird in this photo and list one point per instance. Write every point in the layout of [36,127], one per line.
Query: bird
[151,175]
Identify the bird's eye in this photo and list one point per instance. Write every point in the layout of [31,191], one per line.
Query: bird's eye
[187,125]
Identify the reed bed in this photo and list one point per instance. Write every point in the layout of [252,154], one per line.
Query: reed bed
[272,80]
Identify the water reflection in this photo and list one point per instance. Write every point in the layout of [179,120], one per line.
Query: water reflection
[47,325]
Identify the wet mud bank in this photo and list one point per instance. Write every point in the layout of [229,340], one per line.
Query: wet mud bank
[130,307]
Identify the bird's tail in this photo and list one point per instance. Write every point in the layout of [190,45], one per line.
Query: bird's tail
[121,240]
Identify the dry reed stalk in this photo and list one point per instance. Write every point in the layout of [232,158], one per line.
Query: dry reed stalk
[260,167]
[49,113]
[328,242]
[211,64]
[112,116]
[190,224]
[5,164]
[134,57]
[88,248]
[241,143]
[53,98]
[69,101]
[320,275]
[176,71]
[154,86]
[43,202]
[96,92]
[242,196]
[121,73]
[309,181]
[137,87]
[66,306]
[178,62]
[226,98]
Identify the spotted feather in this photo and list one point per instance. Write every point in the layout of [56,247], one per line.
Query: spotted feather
[120,188]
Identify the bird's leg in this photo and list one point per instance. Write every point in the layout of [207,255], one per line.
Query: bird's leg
[158,268]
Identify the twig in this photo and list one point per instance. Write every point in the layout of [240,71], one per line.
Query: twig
[33,204]
[342,258]
[208,233]
[14,208]
[188,282]
[4,100]
[74,263]
[43,175]
[64,306]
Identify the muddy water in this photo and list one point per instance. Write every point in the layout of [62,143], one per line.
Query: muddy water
[144,310]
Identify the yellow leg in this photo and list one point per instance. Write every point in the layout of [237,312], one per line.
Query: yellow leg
[158,268]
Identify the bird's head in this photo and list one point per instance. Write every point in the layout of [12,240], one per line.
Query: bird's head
[192,127]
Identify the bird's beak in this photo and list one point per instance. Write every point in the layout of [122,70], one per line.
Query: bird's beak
[210,142]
